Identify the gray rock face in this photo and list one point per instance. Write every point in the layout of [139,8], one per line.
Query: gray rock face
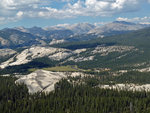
[44,81]
[54,41]
[63,55]
[128,87]
[41,81]
[32,53]
[12,38]
[79,28]
[4,42]
[6,52]
[104,51]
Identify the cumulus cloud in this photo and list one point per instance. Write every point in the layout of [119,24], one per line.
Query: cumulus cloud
[19,14]
[17,9]
[94,8]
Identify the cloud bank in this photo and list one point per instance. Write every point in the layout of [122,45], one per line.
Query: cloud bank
[13,10]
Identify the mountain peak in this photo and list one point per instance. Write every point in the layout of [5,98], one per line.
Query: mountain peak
[124,22]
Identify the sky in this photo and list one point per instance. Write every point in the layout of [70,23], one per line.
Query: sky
[42,13]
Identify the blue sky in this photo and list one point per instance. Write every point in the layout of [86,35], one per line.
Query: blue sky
[43,13]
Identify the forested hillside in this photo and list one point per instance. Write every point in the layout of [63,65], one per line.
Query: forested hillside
[75,56]
[125,60]
[70,99]
[137,38]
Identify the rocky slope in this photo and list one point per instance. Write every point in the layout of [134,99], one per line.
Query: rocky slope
[117,27]
[79,28]
[65,55]
[44,81]
[54,41]
[32,53]
[6,52]
[128,87]
[12,38]
[21,37]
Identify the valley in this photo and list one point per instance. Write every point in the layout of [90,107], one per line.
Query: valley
[81,62]
[75,56]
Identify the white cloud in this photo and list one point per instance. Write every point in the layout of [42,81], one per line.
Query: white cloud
[18,4]
[122,19]
[17,9]
[19,14]
[2,19]
[135,20]
[122,4]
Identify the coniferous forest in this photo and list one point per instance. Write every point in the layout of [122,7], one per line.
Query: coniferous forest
[69,98]
[75,56]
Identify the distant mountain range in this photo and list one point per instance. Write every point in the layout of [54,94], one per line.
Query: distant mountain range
[20,36]
[21,49]
[117,27]
[77,29]
[86,28]
[12,38]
